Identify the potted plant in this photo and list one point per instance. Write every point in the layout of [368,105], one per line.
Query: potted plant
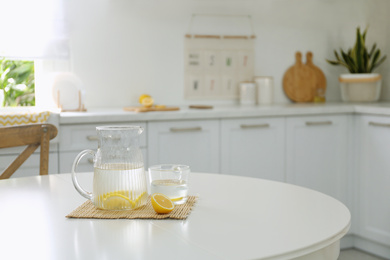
[361,84]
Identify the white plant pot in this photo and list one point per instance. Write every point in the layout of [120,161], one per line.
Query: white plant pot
[364,87]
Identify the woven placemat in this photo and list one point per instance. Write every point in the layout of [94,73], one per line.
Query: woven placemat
[88,210]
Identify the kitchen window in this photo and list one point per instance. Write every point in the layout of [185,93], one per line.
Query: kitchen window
[17,83]
[34,33]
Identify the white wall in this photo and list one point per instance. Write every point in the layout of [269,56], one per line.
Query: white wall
[379,32]
[124,48]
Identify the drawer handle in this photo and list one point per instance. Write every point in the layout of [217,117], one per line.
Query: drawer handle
[189,129]
[92,138]
[379,124]
[254,126]
[319,123]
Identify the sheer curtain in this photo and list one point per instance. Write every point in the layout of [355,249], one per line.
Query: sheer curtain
[33,29]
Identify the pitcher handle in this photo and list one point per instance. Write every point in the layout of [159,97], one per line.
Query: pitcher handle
[76,184]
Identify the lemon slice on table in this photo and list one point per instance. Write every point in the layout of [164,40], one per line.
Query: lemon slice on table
[161,203]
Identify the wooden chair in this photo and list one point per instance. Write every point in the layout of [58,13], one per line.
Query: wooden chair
[33,136]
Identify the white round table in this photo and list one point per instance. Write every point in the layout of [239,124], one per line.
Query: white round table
[234,218]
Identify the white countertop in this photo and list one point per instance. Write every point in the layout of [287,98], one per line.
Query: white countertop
[119,115]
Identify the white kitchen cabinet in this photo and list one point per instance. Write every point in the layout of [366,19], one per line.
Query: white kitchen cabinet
[317,153]
[86,163]
[75,138]
[194,143]
[373,186]
[253,147]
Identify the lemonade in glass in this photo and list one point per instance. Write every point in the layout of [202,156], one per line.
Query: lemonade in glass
[170,180]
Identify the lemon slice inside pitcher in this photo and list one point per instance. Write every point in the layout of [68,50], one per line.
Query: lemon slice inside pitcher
[120,200]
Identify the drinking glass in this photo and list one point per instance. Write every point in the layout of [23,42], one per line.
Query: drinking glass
[170,180]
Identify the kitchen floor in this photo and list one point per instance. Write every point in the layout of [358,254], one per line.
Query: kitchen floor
[354,254]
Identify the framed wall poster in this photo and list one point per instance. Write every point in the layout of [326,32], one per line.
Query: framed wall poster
[215,64]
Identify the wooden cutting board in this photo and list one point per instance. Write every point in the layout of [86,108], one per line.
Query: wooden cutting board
[320,76]
[299,81]
[150,109]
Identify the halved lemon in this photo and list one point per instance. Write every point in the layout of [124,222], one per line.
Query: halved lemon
[147,102]
[161,203]
[142,97]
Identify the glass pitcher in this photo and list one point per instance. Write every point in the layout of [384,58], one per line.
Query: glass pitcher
[119,181]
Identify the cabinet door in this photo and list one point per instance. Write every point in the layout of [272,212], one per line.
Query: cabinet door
[31,166]
[86,163]
[317,156]
[84,136]
[374,179]
[253,147]
[75,138]
[194,143]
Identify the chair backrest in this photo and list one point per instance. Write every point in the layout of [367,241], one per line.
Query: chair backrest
[33,136]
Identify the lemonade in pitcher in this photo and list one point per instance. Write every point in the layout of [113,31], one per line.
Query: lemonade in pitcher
[119,186]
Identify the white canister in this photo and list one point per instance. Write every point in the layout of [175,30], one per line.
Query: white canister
[265,90]
[247,93]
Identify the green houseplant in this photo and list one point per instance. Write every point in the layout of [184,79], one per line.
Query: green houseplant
[359,59]
[361,84]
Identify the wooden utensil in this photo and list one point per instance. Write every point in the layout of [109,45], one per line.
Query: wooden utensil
[149,109]
[299,81]
[320,87]
[200,107]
